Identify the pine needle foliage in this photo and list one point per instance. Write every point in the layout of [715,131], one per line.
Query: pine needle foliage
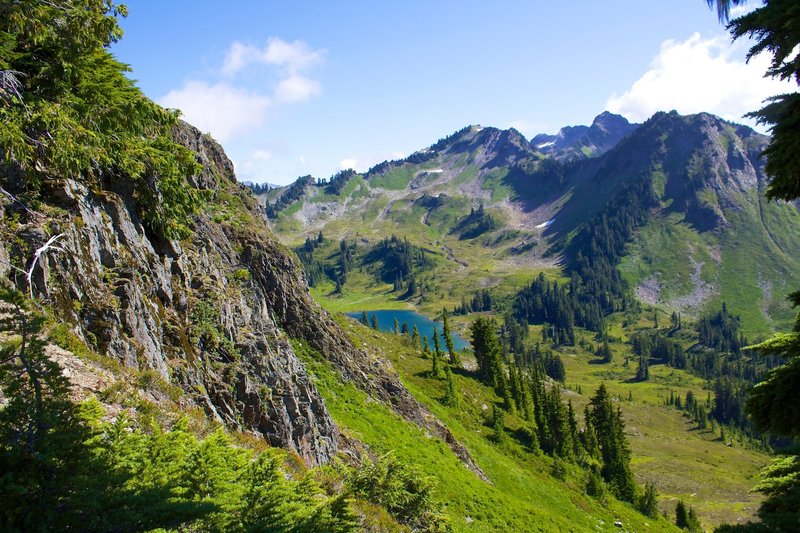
[68,110]
[63,468]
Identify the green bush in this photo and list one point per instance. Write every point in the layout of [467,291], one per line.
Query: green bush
[67,109]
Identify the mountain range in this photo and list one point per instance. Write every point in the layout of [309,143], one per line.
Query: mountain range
[708,237]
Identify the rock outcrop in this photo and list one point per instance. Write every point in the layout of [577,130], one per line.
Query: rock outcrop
[216,313]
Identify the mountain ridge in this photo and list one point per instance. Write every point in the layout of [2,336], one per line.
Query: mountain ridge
[706,171]
[606,130]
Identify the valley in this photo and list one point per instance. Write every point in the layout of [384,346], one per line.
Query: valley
[483,212]
[683,462]
[591,330]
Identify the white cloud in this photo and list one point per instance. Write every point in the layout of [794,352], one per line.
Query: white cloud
[230,107]
[254,167]
[296,88]
[699,75]
[293,60]
[239,56]
[349,162]
[222,109]
[261,155]
[365,162]
[744,9]
[295,56]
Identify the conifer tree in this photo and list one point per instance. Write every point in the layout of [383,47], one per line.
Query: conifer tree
[526,405]
[605,353]
[610,430]
[451,396]
[448,340]
[643,369]
[693,523]
[437,347]
[648,503]
[396,327]
[595,486]
[498,424]
[681,516]
[499,381]
[573,429]
[589,440]
[514,388]
[435,363]
[538,399]
[374,322]
[558,422]
[487,353]
[415,337]
[508,399]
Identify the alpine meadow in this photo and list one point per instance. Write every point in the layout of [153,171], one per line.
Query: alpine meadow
[349,326]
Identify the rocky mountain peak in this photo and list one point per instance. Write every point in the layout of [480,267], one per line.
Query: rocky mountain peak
[611,124]
[580,142]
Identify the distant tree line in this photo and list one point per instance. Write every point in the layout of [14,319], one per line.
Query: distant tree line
[293,192]
[316,271]
[599,246]
[259,188]
[399,261]
[391,260]
[475,224]
[596,287]
[655,344]
[547,174]
[481,301]
[338,181]
[720,331]
[545,301]
[444,142]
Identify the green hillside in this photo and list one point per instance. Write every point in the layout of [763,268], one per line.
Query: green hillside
[684,463]
[711,238]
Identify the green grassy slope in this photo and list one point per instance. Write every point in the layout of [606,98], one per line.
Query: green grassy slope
[750,265]
[524,495]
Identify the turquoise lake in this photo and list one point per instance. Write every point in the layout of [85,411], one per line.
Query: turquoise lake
[424,324]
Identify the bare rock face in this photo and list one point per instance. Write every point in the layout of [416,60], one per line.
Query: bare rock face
[216,313]
[188,310]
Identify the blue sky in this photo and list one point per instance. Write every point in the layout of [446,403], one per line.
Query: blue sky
[305,87]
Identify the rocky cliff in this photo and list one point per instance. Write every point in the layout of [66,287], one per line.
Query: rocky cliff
[214,313]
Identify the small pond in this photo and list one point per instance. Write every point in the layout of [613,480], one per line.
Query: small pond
[424,324]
